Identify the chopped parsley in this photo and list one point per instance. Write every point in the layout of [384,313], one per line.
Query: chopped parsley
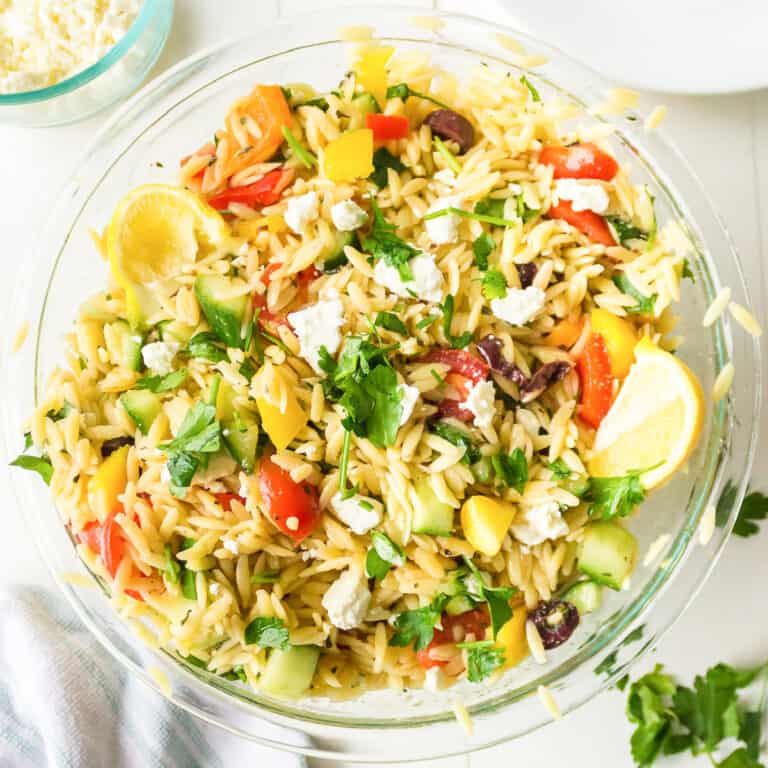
[687,272]
[560,470]
[383,243]
[497,597]
[267,632]
[624,231]
[644,304]
[615,496]
[302,154]
[490,206]
[404,91]
[163,383]
[265,577]
[391,322]
[511,470]
[524,213]
[535,96]
[483,658]
[382,555]
[488,219]
[457,436]
[382,160]
[206,345]
[456,342]
[494,284]
[483,247]
[418,626]
[425,322]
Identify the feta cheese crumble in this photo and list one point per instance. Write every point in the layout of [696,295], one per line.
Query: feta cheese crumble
[584,196]
[410,396]
[520,305]
[158,356]
[347,600]
[231,545]
[318,326]
[537,524]
[359,513]
[444,229]
[301,210]
[348,216]
[480,401]
[45,42]
[427,283]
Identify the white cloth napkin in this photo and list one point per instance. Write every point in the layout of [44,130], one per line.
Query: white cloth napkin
[66,703]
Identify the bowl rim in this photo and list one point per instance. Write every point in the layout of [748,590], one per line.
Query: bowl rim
[149,9]
[491,704]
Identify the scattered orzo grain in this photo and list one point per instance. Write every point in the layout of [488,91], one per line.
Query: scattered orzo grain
[548,700]
[707,525]
[717,307]
[654,120]
[745,319]
[723,382]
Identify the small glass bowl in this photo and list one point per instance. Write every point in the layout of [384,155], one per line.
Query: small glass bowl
[105,82]
[177,112]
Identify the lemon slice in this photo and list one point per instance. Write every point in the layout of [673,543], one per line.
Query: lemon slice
[155,231]
[654,422]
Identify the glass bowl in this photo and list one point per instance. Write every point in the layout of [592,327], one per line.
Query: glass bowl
[178,112]
[105,82]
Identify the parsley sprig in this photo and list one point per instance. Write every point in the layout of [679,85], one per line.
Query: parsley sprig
[403,91]
[383,243]
[753,509]
[615,496]
[418,626]
[483,658]
[456,342]
[644,304]
[382,555]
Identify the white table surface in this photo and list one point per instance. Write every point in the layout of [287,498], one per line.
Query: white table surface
[726,140]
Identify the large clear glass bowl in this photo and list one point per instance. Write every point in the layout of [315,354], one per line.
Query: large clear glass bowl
[105,82]
[179,112]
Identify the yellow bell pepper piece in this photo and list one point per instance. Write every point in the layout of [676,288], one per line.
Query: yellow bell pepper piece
[566,333]
[512,637]
[620,339]
[370,68]
[108,483]
[350,156]
[280,426]
[485,522]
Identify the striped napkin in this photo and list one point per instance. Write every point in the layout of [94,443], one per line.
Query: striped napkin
[65,703]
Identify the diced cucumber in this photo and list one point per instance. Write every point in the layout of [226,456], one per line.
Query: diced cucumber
[366,103]
[225,313]
[578,485]
[607,553]
[131,341]
[458,604]
[173,330]
[334,258]
[142,406]
[587,596]
[482,470]
[242,444]
[431,516]
[289,673]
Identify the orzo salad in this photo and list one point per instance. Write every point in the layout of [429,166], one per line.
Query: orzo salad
[371,392]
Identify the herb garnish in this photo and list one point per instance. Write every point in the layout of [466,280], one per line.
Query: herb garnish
[302,154]
[267,632]
[166,383]
[383,243]
[644,303]
[403,91]
[483,658]
[382,555]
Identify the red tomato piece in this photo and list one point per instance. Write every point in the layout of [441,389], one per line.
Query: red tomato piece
[579,161]
[266,191]
[259,301]
[226,499]
[90,535]
[449,408]
[386,127]
[293,507]
[266,276]
[460,361]
[592,224]
[455,629]
[594,368]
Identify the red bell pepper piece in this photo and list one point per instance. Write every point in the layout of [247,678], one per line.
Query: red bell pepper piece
[594,368]
[579,161]
[592,224]
[386,127]
[266,191]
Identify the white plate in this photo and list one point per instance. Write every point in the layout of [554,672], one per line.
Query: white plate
[677,46]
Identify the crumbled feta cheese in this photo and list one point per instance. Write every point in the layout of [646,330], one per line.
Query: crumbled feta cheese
[584,196]
[539,523]
[358,513]
[347,600]
[232,545]
[301,210]
[348,215]
[318,326]
[480,401]
[42,43]
[214,588]
[410,396]
[427,283]
[158,356]
[520,305]
[444,229]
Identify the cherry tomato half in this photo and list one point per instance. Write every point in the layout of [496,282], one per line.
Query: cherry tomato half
[455,629]
[226,499]
[592,224]
[460,361]
[579,161]
[293,507]
[596,377]
[386,127]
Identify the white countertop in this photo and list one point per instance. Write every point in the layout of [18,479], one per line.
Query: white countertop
[726,141]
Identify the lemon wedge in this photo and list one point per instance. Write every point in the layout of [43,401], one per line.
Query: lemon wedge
[654,422]
[155,231]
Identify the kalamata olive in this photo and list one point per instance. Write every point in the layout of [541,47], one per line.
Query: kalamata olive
[526,272]
[450,125]
[110,446]
[545,376]
[556,620]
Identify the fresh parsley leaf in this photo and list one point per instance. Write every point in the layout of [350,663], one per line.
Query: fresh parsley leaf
[28,441]
[624,231]
[265,577]
[606,666]
[236,673]
[511,470]
[206,345]
[163,383]
[615,496]
[188,584]
[687,271]
[425,322]
[383,159]
[62,413]
[497,598]
[385,395]
[247,369]
[483,658]
[490,206]
[383,243]
[725,503]
[403,91]
[754,507]
[648,707]
[524,213]
[181,468]
[456,342]
[40,464]
[267,632]
[483,247]
[531,89]
[494,284]
[320,102]
[459,437]
[382,555]
[418,626]
[644,303]
[497,221]
[560,470]
[740,759]
[391,322]
[172,568]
